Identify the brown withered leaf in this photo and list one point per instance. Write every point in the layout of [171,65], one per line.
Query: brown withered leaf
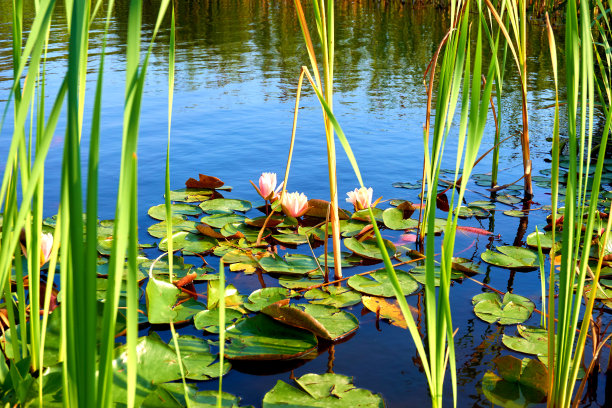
[318,209]
[204,182]
[210,232]
[387,309]
[407,209]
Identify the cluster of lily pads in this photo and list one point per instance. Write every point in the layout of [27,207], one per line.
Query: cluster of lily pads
[292,319]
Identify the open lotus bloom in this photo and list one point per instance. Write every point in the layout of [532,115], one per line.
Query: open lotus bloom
[361,199]
[267,186]
[295,204]
[46,243]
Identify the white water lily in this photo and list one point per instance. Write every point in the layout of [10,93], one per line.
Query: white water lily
[360,198]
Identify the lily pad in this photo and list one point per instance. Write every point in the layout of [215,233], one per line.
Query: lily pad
[350,228]
[511,257]
[394,219]
[159,230]
[177,211]
[298,282]
[508,199]
[267,296]
[418,274]
[347,259]
[409,186]
[512,310]
[291,239]
[333,296]
[225,206]
[520,384]
[208,320]
[531,340]
[232,296]
[326,391]
[364,215]
[291,264]
[387,309]
[326,322]
[368,248]
[200,364]
[191,195]
[263,338]
[545,240]
[379,284]
[220,220]
[172,395]
[515,213]
[250,233]
[188,242]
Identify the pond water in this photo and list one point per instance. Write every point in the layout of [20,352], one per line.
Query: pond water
[237,65]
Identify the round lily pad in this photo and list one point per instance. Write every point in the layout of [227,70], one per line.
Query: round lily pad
[263,338]
[545,240]
[379,284]
[326,322]
[208,320]
[515,213]
[219,220]
[347,259]
[225,206]
[191,195]
[418,273]
[298,282]
[512,310]
[325,391]
[508,199]
[333,296]
[394,219]
[511,257]
[293,264]
[266,296]
[531,340]
[368,248]
[178,210]
[188,242]
[160,229]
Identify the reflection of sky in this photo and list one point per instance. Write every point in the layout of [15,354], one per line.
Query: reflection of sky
[236,75]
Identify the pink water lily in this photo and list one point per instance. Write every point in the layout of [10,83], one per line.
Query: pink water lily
[360,198]
[46,243]
[295,204]
[267,186]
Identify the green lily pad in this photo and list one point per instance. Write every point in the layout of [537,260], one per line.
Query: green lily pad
[200,364]
[469,211]
[515,213]
[326,391]
[409,186]
[162,300]
[291,264]
[394,219]
[364,215]
[531,340]
[512,310]
[326,322]
[291,239]
[191,195]
[418,274]
[263,338]
[511,257]
[508,199]
[159,230]
[225,206]
[368,248]
[379,284]
[333,296]
[350,228]
[347,259]
[545,240]
[177,211]
[249,233]
[266,296]
[486,204]
[172,395]
[298,282]
[232,296]
[188,242]
[208,320]
[520,384]
[220,220]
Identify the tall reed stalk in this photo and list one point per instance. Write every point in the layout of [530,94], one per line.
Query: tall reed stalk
[324,17]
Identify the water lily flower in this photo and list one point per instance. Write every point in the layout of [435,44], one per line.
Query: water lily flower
[267,186]
[295,204]
[361,199]
[46,243]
